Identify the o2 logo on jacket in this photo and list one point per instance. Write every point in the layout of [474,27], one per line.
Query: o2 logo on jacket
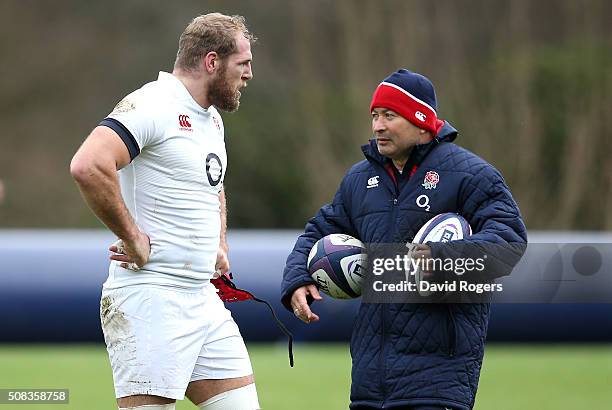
[214,169]
[423,202]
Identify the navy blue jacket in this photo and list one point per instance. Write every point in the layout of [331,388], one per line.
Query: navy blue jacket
[416,354]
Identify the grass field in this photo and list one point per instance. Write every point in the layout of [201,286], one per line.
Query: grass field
[513,377]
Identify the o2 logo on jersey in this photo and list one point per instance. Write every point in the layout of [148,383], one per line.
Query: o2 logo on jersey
[214,169]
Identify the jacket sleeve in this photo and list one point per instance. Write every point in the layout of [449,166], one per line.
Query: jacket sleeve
[331,218]
[499,232]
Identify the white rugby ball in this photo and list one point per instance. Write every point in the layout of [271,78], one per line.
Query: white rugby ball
[444,227]
[337,263]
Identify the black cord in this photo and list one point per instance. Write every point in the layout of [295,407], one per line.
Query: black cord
[281,326]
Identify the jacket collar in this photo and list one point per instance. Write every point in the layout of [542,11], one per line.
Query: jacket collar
[447,133]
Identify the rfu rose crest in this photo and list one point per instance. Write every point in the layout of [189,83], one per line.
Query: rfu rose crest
[431,180]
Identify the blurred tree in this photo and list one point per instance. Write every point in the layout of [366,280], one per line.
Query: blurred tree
[528,84]
[2,194]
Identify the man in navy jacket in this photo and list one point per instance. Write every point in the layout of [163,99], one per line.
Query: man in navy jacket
[413,355]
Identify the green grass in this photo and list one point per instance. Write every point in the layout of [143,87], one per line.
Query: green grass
[546,377]
[514,377]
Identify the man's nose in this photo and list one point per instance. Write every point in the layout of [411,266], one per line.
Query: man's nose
[248,74]
[378,125]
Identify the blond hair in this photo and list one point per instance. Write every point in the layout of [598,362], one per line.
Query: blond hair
[210,32]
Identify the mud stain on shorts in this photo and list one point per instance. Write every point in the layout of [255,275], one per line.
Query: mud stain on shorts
[105,305]
[118,335]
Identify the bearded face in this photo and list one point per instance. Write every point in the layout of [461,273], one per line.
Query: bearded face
[222,92]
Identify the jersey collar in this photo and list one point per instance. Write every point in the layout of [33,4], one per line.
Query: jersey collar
[178,88]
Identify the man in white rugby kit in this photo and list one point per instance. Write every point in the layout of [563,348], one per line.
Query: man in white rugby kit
[153,172]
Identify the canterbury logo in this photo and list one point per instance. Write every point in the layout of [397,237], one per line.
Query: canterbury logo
[373,182]
[184,121]
[422,117]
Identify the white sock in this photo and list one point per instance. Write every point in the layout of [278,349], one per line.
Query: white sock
[242,398]
[170,406]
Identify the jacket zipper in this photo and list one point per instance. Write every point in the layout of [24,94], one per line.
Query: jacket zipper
[452,332]
[383,365]
[385,307]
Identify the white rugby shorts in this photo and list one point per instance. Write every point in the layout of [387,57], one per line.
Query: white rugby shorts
[161,338]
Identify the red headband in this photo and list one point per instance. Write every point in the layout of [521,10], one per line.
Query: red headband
[395,98]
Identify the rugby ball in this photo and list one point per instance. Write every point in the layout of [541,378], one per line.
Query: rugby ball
[444,227]
[337,263]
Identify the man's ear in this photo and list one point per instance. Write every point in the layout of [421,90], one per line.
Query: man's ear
[425,136]
[211,62]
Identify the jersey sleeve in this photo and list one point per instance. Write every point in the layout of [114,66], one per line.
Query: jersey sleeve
[134,121]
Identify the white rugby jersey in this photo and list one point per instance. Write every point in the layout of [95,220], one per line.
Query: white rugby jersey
[171,187]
